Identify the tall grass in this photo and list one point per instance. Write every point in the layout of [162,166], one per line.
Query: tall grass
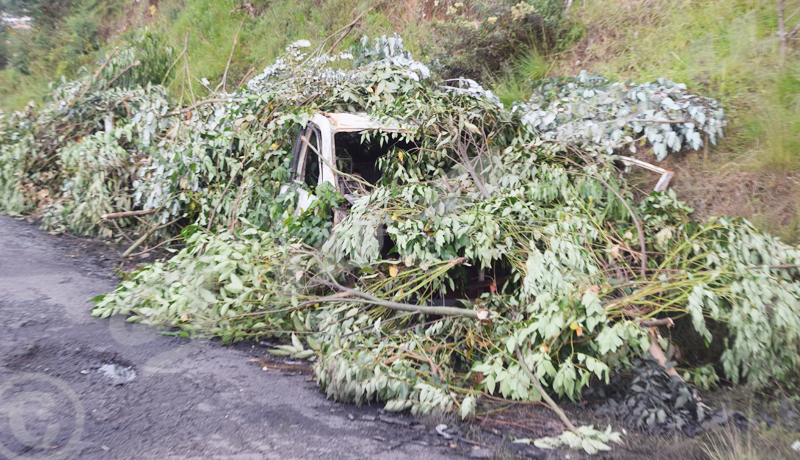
[16,89]
[731,443]
[515,83]
[212,25]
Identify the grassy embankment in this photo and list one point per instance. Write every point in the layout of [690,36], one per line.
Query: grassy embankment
[727,49]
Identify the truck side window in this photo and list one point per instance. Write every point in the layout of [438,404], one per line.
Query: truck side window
[311,170]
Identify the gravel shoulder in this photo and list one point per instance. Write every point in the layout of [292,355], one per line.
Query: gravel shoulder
[187,400]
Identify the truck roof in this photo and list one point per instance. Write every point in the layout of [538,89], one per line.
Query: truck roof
[353,122]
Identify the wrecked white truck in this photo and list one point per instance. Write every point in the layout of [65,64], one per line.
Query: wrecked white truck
[337,148]
[342,149]
[346,151]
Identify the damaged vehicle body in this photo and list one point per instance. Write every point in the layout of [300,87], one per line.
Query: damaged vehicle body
[342,149]
[346,150]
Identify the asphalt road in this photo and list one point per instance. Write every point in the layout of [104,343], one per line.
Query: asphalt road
[65,393]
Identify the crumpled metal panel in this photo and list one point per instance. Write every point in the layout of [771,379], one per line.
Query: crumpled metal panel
[352,122]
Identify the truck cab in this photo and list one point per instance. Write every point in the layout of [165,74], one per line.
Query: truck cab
[343,150]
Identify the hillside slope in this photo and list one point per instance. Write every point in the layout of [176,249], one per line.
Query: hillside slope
[727,49]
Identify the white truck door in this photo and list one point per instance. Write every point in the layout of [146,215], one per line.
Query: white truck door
[313,157]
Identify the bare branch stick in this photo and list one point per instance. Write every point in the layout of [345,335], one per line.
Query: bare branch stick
[657,322]
[540,389]
[428,310]
[214,211]
[658,354]
[644,120]
[144,237]
[108,59]
[793,32]
[245,77]
[236,206]
[97,73]
[227,66]
[350,26]
[108,85]
[772,267]
[185,49]
[196,105]
[120,215]
[788,18]
[462,153]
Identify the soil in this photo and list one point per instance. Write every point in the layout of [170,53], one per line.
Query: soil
[157,396]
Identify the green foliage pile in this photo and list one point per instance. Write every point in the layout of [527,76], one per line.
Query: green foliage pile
[530,197]
[75,159]
[575,264]
[730,50]
[593,107]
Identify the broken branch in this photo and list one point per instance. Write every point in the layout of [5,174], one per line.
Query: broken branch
[144,237]
[214,211]
[658,354]
[545,396]
[350,26]
[772,267]
[428,310]
[233,48]
[108,59]
[108,85]
[657,322]
[120,215]
[198,104]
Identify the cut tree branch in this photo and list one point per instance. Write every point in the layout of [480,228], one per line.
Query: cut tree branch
[185,49]
[120,215]
[350,26]
[245,77]
[657,322]
[144,237]
[214,211]
[793,32]
[97,74]
[111,55]
[196,105]
[789,18]
[658,354]
[233,48]
[108,85]
[545,396]
[772,267]
[428,310]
